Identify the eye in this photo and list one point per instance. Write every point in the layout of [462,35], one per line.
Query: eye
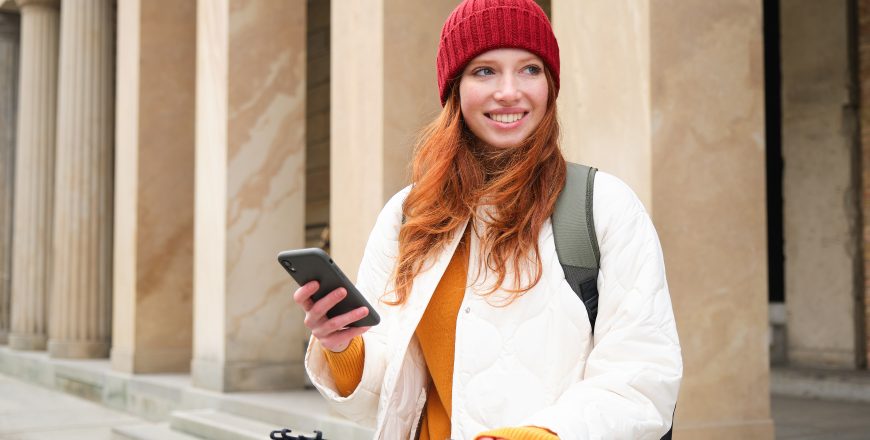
[532,69]
[483,71]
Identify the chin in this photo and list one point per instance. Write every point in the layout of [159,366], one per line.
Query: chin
[506,144]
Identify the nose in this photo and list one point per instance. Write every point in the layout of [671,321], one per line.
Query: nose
[508,90]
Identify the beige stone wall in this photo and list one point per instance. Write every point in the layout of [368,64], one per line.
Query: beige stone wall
[250,193]
[604,103]
[820,185]
[383,91]
[153,255]
[668,96]
[708,181]
[864,85]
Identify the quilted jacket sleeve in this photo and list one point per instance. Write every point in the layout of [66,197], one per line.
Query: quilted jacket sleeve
[373,279]
[632,375]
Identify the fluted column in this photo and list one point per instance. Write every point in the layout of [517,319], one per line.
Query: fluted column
[82,264]
[8,93]
[34,177]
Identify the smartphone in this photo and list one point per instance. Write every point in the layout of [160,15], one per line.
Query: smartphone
[312,264]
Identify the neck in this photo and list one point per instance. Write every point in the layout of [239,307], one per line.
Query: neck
[494,161]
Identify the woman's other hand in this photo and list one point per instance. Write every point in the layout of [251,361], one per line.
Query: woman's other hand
[333,333]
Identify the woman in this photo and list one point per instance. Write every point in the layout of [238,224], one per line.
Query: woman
[481,336]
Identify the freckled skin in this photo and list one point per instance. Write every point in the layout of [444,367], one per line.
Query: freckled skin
[502,79]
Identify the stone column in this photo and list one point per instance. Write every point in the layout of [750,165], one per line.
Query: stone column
[821,181]
[864,106]
[384,91]
[250,193]
[82,265]
[152,328]
[9,30]
[34,176]
[669,96]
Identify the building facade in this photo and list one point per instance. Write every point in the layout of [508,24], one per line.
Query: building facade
[155,158]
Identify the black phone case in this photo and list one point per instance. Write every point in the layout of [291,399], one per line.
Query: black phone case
[306,265]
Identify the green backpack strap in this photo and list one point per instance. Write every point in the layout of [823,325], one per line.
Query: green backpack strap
[574,233]
[576,242]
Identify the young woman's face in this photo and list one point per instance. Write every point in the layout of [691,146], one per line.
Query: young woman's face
[503,96]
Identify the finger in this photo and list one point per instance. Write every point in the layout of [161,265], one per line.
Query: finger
[314,323]
[302,296]
[341,321]
[326,303]
[357,331]
[329,327]
[342,338]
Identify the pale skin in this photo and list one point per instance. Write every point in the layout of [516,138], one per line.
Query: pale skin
[495,89]
[334,333]
[503,84]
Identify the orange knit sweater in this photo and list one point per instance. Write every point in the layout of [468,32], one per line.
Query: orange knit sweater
[437,335]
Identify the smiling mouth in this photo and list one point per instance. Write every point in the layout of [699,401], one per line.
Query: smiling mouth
[506,118]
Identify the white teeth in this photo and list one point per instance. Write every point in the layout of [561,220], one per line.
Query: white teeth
[506,118]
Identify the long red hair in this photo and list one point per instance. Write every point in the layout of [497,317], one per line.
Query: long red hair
[453,174]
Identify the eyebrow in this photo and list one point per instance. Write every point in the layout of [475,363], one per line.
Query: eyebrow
[490,61]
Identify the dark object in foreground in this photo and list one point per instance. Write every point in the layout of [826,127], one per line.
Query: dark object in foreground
[285,434]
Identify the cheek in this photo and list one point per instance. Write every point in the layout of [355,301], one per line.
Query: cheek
[538,94]
[469,99]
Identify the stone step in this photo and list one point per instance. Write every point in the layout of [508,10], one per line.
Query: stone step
[298,410]
[155,397]
[151,431]
[849,385]
[218,425]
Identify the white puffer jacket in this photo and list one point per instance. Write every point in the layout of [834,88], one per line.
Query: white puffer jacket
[534,362]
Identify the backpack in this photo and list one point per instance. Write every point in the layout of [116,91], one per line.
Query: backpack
[576,242]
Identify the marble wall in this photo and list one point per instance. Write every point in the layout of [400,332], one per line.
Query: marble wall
[820,185]
[668,95]
[153,252]
[250,187]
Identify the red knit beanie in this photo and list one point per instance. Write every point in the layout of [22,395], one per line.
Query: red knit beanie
[476,26]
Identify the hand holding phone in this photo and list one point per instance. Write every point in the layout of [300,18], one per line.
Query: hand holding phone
[335,311]
[333,333]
